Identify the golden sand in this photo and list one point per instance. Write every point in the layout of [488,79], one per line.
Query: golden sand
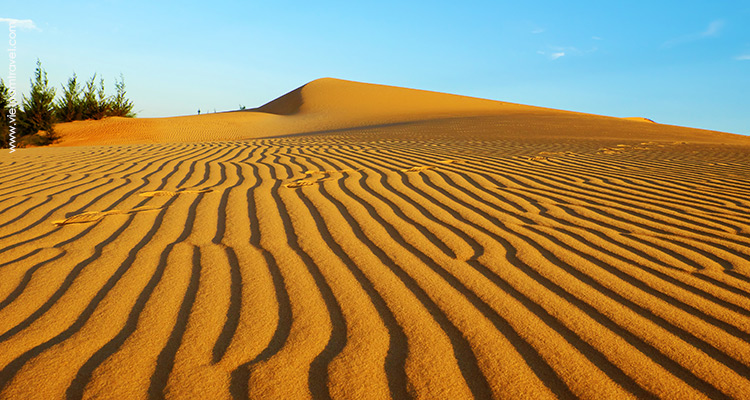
[394,244]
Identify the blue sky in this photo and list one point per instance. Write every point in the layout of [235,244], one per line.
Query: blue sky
[677,62]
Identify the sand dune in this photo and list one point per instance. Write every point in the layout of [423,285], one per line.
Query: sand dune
[441,253]
[327,105]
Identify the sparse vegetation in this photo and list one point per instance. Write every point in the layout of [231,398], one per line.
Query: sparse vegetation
[39,112]
[37,116]
[119,105]
[95,104]
[94,100]
[69,107]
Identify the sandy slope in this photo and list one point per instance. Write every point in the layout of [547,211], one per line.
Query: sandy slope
[330,104]
[490,251]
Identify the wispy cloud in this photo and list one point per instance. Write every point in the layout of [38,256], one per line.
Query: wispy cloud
[557,55]
[534,28]
[556,52]
[713,29]
[552,56]
[596,38]
[20,23]
[744,57]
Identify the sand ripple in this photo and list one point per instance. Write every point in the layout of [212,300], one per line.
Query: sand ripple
[518,268]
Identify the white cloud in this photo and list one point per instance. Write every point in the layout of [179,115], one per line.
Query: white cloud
[537,31]
[744,57]
[556,52]
[20,23]
[557,55]
[596,38]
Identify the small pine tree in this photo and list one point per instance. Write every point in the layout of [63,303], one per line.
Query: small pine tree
[119,105]
[38,111]
[89,104]
[70,106]
[102,102]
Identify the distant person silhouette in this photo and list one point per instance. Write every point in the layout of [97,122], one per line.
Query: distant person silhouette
[199,111]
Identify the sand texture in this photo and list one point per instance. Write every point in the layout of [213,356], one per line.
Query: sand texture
[356,241]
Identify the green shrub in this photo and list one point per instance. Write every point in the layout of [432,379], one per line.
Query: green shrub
[94,104]
[70,107]
[119,105]
[38,113]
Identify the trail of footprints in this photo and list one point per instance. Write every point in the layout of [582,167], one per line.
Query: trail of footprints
[643,146]
[313,177]
[95,216]
[168,193]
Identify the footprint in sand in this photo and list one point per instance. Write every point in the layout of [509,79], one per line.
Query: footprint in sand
[427,167]
[302,182]
[612,150]
[94,216]
[623,148]
[532,158]
[419,169]
[168,193]
[327,176]
[330,172]
[451,162]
